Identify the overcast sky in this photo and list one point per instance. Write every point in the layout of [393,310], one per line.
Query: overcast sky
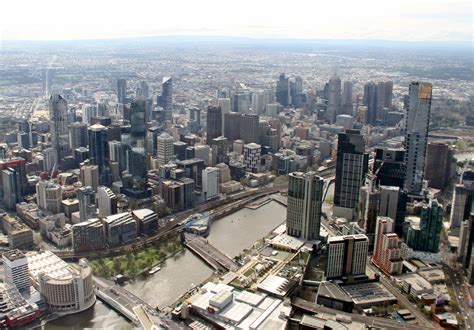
[424,20]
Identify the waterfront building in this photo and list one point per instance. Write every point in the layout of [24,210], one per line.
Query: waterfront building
[107,201]
[210,183]
[120,229]
[252,153]
[15,269]
[88,236]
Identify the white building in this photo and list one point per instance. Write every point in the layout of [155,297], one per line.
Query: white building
[107,201]
[50,156]
[164,144]
[15,269]
[252,153]
[49,196]
[66,288]
[210,182]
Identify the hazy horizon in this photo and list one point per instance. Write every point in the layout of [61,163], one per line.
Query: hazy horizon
[403,20]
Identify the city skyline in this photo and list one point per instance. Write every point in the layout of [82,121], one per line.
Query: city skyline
[397,21]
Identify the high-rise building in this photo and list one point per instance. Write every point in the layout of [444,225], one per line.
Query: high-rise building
[58,114]
[370,101]
[283,90]
[136,154]
[440,164]
[122,91]
[142,89]
[10,188]
[416,135]
[462,202]
[232,122]
[346,256]
[387,251]
[15,269]
[425,236]
[347,98]
[164,148]
[214,123]
[369,201]
[252,153]
[49,196]
[89,175]
[257,102]
[98,146]
[78,135]
[303,214]
[224,104]
[384,99]
[210,183]
[107,201]
[87,207]
[296,92]
[50,159]
[167,97]
[393,203]
[241,102]
[249,128]
[219,150]
[351,169]
[334,101]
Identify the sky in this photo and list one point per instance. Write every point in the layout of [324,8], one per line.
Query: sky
[404,20]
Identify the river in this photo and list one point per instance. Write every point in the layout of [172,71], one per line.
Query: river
[230,234]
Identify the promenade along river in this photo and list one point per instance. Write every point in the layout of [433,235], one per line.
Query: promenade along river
[230,234]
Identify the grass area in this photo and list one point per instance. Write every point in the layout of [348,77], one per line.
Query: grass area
[136,262]
[461,145]
[249,272]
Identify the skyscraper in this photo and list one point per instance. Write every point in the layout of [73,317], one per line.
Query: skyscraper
[389,167]
[334,101]
[249,128]
[233,121]
[214,123]
[47,82]
[416,135]
[283,90]
[15,269]
[98,145]
[462,202]
[252,153]
[346,256]
[347,98]
[107,201]
[167,97]
[121,91]
[136,156]
[78,135]
[351,168]
[370,101]
[241,102]
[164,148]
[425,236]
[303,215]
[210,182]
[440,164]
[384,98]
[58,115]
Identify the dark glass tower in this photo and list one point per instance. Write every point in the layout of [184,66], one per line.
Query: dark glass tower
[370,101]
[283,90]
[122,91]
[167,97]
[249,126]
[351,169]
[214,123]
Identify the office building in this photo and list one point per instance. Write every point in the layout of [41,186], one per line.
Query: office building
[232,123]
[462,202]
[252,154]
[167,97]
[66,288]
[347,98]
[58,115]
[219,150]
[47,81]
[283,90]
[346,256]
[393,203]
[50,159]
[214,123]
[210,183]
[87,207]
[425,236]
[78,135]
[440,165]
[416,135]
[303,215]
[98,146]
[249,125]
[107,201]
[384,99]
[351,169]
[10,187]
[370,101]
[334,100]
[165,152]
[387,252]
[49,196]
[241,103]
[122,91]
[88,236]
[120,229]
[15,269]
[89,175]
[136,154]
[369,201]
[147,220]
[178,194]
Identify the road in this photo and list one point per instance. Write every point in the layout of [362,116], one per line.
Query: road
[375,322]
